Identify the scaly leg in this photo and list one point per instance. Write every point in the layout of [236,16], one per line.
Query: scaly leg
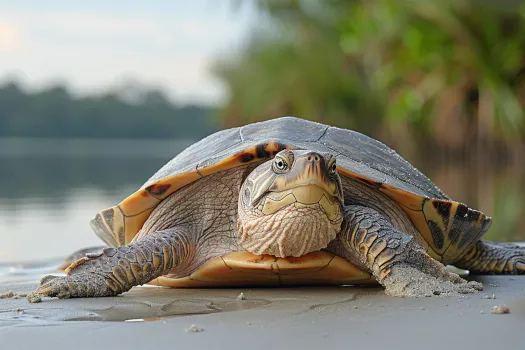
[116,270]
[494,258]
[79,254]
[397,261]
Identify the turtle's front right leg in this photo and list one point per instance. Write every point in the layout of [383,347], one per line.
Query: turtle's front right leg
[116,270]
[395,259]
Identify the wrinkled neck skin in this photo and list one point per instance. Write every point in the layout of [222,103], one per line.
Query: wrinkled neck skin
[295,230]
[294,221]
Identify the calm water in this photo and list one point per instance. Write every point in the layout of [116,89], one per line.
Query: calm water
[49,191]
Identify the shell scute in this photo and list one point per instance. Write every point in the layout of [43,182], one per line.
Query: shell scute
[157,189]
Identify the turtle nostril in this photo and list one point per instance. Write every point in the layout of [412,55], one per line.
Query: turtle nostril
[316,158]
[309,158]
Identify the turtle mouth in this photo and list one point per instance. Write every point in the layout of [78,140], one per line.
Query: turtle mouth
[301,197]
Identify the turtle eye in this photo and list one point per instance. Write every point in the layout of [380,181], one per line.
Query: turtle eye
[332,168]
[280,164]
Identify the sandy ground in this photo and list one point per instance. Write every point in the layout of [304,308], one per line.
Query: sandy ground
[277,318]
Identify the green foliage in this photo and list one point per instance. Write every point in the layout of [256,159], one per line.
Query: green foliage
[54,113]
[381,66]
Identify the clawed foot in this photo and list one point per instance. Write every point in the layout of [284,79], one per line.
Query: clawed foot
[408,281]
[78,285]
[116,270]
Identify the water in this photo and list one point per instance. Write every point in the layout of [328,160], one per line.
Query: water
[49,190]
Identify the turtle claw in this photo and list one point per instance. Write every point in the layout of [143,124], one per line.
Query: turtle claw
[80,285]
[519,266]
[47,279]
[410,281]
[51,286]
[46,288]
[54,286]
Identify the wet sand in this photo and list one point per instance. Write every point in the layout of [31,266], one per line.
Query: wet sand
[278,318]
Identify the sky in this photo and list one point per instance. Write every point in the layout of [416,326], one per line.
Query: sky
[93,46]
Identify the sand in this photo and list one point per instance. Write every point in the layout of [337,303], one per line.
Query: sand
[278,318]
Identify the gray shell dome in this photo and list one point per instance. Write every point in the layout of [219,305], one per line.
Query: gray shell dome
[354,151]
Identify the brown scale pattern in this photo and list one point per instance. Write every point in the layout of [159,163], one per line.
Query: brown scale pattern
[358,193]
[116,270]
[367,232]
[395,259]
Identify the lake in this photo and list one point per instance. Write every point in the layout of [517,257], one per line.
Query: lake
[49,190]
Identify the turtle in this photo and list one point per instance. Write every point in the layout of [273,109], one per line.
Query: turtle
[288,202]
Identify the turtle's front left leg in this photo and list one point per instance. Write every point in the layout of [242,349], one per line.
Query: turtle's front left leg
[395,259]
[116,270]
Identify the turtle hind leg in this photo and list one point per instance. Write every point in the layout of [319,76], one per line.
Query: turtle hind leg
[488,257]
[116,270]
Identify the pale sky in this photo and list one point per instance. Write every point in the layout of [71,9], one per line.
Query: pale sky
[94,45]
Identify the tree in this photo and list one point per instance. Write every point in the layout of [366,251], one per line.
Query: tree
[54,113]
[445,73]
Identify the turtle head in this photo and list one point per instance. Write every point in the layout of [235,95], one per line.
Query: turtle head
[291,205]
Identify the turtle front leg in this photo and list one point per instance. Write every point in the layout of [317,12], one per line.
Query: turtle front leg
[396,260]
[494,258]
[116,270]
[79,254]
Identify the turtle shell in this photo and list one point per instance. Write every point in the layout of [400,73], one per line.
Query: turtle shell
[448,228]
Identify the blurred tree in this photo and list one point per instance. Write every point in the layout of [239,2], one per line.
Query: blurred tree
[446,74]
[55,113]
